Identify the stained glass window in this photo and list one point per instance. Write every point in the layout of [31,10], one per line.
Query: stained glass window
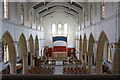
[59,28]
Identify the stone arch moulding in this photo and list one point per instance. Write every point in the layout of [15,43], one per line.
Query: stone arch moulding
[90,52]
[100,50]
[23,43]
[84,50]
[31,49]
[36,46]
[116,59]
[12,52]
[80,49]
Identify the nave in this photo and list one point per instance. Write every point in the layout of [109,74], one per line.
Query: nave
[64,39]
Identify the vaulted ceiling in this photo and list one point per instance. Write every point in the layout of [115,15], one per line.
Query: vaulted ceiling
[47,8]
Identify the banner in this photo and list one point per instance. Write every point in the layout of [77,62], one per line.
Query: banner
[59,39]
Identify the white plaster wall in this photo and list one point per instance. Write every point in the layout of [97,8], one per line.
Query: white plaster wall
[0,28]
[118,29]
[108,25]
[62,18]
[14,27]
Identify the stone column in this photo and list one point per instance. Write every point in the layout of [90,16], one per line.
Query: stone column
[12,67]
[25,64]
[31,55]
[84,59]
[80,52]
[13,59]
[90,64]
[99,67]
[41,55]
[116,61]
[37,52]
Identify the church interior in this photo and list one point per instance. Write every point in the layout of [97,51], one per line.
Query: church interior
[67,37]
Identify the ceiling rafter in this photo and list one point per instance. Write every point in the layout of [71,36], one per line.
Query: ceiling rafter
[45,3]
[59,6]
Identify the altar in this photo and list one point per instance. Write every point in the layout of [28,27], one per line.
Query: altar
[60,54]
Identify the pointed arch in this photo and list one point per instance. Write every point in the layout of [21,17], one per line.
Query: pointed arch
[116,59]
[84,50]
[36,22]
[59,28]
[91,14]
[36,46]
[53,28]
[90,52]
[84,43]
[31,49]
[77,43]
[80,49]
[31,19]
[100,48]
[6,10]
[23,44]
[65,28]
[7,39]
[84,19]
[22,14]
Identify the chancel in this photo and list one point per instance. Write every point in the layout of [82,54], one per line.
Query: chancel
[64,39]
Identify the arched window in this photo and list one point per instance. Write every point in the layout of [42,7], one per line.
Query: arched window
[84,19]
[80,22]
[6,9]
[108,53]
[22,14]
[102,9]
[53,28]
[59,28]
[65,28]
[77,43]
[31,19]
[91,14]
[36,22]
[6,53]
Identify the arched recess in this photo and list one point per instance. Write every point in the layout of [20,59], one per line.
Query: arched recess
[7,39]
[31,49]
[80,49]
[23,47]
[36,46]
[100,49]
[84,50]
[90,53]
[116,59]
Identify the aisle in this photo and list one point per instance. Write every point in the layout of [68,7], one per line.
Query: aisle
[58,70]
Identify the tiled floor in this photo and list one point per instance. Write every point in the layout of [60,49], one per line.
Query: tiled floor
[58,70]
